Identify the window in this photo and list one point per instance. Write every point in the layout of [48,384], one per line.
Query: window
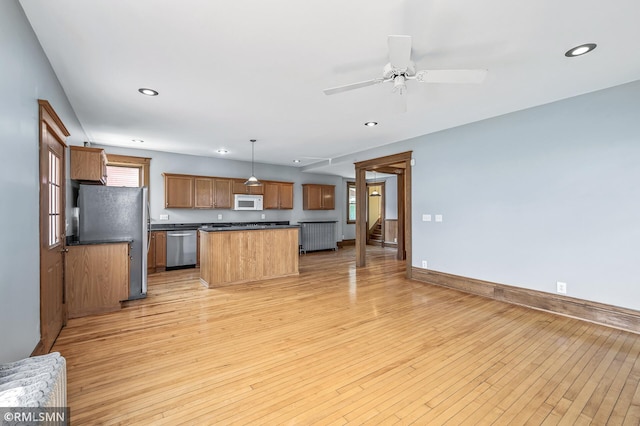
[125,170]
[351,202]
[55,194]
[123,176]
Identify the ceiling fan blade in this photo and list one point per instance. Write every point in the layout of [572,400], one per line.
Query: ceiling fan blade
[352,86]
[399,51]
[451,76]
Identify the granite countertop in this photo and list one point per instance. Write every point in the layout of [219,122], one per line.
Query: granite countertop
[194,226]
[73,241]
[252,227]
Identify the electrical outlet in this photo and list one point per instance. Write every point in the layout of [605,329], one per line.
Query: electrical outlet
[164,217]
[219,217]
[263,216]
[438,218]
[424,264]
[561,287]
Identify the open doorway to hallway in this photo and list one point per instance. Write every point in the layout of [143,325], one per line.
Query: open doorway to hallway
[399,165]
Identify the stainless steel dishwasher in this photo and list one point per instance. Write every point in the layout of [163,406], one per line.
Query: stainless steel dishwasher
[181,249]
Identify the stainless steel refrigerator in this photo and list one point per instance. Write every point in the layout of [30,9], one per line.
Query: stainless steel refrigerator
[107,213]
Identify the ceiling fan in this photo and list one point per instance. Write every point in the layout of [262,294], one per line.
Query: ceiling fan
[401,68]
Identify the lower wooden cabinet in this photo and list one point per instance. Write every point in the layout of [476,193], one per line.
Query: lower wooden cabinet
[96,278]
[157,255]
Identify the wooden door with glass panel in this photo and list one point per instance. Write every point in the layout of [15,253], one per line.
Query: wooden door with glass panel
[52,225]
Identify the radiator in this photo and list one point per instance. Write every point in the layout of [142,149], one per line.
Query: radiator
[39,381]
[318,236]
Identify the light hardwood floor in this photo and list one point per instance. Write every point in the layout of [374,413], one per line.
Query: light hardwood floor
[340,345]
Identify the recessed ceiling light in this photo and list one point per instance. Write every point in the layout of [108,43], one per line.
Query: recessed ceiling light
[137,140]
[580,50]
[296,161]
[371,123]
[222,151]
[148,92]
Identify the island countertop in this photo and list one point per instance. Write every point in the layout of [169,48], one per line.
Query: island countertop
[244,227]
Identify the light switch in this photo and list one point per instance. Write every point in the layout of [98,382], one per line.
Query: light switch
[426,218]
[164,217]
[438,218]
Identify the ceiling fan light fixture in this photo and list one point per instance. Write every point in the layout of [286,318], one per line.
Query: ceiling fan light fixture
[371,123]
[399,84]
[148,92]
[253,180]
[580,50]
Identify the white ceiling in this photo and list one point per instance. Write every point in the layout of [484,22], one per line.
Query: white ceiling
[230,71]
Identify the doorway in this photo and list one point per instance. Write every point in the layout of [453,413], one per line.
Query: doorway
[52,225]
[376,205]
[400,165]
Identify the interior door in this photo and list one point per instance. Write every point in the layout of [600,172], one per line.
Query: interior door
[52,225]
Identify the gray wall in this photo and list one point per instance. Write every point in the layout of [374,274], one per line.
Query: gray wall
[530,198]
[542,195]
[25,77]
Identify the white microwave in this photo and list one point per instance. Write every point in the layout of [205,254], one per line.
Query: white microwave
[247,202]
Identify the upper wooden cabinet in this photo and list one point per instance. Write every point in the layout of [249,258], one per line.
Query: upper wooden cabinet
[88,165]
[318,197]
[222,197]
[200,192]
[212,193]
[240,188]
[178,191]
[278,195]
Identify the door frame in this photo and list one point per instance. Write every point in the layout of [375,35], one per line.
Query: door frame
[400,165]
[49,118]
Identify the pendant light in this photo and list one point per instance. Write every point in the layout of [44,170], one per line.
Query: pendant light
[253,180]
[375,192]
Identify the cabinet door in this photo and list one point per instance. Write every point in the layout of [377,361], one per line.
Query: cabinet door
[286,195]
[151,254]
[222,198]
[311,197]
[88,164]
[239,187]
[203,188]
[178,191]
[328,197]
[161,250]
[271,198]
[96,278]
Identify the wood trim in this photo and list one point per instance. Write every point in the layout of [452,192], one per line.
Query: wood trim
[599,313]
[378,163]
[46,107]
[39,349]
[143,163]
[345,243]
[401,164]
[361,216]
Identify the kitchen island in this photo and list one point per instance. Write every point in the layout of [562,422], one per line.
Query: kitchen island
[240,254]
